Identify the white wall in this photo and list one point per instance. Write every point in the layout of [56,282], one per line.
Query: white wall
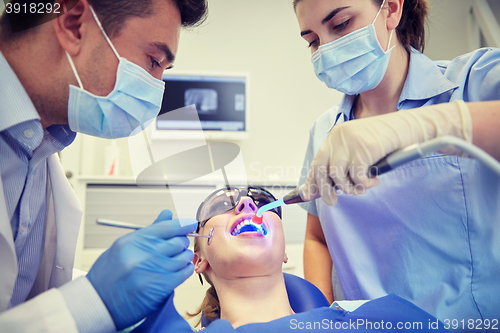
[447,33]
[495,8]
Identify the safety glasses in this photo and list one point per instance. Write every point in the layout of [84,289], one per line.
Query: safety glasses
[227,199]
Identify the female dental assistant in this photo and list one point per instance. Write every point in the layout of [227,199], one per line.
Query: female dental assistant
[429,231]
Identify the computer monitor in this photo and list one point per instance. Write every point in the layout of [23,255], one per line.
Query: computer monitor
[220,100]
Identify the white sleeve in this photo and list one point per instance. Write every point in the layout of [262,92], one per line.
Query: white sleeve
[74,307]
[86,307]
[45,313]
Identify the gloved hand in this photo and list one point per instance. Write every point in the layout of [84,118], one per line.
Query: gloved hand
[137,274]
[351,148]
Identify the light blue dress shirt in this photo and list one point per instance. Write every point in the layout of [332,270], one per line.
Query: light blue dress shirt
[430,232]
[24,149]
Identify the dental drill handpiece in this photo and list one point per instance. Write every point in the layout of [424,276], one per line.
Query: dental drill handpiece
[386,164]
[296,196]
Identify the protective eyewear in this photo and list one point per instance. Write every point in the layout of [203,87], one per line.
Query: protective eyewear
[227,199]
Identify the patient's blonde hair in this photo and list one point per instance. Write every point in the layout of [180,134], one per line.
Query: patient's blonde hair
[210,306]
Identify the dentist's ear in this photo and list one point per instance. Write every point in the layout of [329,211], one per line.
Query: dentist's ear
[285,258]
[71,26]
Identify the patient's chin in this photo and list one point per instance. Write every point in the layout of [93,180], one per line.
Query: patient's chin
[259,262]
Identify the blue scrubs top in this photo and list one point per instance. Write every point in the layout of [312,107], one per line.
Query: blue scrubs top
[387,314]
[430,232]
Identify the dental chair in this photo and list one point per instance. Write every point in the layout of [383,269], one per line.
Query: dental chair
[302,295]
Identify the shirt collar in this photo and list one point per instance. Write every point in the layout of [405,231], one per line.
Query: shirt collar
[345,110]
[62,133]
[15,105]
[424,81]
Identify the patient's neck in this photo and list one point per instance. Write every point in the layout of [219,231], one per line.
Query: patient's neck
[253,299]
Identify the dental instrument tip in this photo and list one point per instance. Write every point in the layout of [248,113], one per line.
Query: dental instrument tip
[198,235]
[211,235]
[257,219]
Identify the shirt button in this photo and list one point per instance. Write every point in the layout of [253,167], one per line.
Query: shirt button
[29,133]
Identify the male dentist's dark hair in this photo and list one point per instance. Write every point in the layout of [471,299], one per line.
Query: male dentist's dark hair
[112,13]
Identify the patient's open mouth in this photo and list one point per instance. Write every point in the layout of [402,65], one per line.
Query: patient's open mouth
[246,225]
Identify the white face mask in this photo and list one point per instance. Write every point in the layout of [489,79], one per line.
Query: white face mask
[135,100]
[354,63]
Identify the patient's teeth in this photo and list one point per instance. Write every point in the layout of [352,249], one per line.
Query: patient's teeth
[259,227]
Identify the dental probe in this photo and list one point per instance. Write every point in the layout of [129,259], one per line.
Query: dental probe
[393,161]
[120,224]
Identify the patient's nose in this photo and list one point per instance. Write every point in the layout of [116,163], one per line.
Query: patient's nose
[246,205]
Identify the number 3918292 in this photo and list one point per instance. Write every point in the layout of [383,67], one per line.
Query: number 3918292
[471,324]
[33,8]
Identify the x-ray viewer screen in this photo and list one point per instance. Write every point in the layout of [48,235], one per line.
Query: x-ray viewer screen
[220,103]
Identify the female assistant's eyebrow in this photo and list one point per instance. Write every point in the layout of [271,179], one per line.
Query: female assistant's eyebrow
[332,14]
[326,19]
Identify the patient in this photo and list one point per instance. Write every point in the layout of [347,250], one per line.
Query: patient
[243,264]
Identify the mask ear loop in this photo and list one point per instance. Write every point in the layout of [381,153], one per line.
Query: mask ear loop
[389,44]
[380,9]
[107,39]
[104,32]
[74,70]
[376,17]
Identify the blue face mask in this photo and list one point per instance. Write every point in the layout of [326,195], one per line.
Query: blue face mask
[135,100]
[353,63]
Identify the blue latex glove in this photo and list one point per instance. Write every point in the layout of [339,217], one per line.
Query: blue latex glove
[137,274]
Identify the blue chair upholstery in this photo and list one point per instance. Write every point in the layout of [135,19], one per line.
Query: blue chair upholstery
[302,295]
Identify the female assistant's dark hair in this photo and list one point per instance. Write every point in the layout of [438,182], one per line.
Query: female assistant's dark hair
[411,28]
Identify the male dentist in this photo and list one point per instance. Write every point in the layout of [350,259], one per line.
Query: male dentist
[96,69]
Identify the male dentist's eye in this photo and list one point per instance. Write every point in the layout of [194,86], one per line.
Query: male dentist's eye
[154,62]
[342,25]
[313,43]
